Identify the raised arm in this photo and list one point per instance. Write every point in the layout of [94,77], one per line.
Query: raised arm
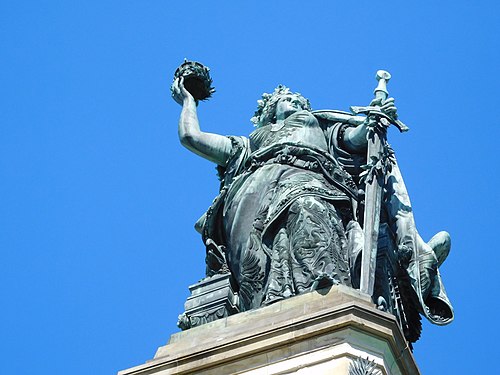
[213,147]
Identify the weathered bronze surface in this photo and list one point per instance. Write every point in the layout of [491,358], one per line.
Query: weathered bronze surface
[301,207]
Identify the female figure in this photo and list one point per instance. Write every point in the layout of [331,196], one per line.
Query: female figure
[286,200]
[286,220]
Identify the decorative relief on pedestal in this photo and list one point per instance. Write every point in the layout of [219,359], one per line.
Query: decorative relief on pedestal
[363,366]
[211,298]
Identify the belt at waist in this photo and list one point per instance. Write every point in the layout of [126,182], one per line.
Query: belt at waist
[307,159]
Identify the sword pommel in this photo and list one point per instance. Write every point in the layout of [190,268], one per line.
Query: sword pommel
[382,77]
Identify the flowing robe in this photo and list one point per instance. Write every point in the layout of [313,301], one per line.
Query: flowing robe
[282,212]
[286,220]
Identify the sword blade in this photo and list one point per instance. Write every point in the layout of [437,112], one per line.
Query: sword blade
[373,202]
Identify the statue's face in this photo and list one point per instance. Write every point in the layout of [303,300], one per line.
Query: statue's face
[287,105]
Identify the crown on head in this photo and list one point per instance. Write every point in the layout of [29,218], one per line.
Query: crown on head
[266,107]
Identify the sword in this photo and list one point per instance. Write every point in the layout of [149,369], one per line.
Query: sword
[374,184]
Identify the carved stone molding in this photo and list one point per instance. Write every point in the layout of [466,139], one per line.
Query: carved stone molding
[324,331]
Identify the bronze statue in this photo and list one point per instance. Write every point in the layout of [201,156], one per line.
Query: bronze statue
[289,215]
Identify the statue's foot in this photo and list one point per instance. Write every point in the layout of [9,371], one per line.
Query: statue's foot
[324,281]
[381,303]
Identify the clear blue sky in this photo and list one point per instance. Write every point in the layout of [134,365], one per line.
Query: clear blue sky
[98,198]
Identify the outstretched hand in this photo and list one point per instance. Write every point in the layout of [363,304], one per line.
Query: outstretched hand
[179,92]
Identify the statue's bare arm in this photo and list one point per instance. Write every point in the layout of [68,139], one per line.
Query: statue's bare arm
[355,139]
[213,147]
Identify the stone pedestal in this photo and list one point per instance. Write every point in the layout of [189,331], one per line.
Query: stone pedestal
[333,331]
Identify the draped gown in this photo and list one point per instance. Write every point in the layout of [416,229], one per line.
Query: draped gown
[282,212]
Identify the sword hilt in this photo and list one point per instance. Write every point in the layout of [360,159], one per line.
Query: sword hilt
[380,91]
